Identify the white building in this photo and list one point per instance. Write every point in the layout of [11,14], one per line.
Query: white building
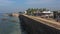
[47,13]
[25,12]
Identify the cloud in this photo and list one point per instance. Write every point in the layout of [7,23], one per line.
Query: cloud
[6,2]
[38,1]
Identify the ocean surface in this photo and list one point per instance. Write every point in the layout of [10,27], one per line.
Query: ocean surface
[9,25]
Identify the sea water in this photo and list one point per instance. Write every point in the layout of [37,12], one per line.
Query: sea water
[9,25]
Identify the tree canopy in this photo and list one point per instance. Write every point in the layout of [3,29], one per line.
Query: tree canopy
[32,10]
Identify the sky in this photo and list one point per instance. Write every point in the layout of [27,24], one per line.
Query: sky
[7,6]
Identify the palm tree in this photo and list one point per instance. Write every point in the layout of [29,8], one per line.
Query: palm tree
[44,9]
[28,11]
[41,10]
[31,10]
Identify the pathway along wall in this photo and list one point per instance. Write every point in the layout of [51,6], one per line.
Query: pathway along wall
[34,27]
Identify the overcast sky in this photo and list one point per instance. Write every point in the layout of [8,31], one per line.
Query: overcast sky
[21,5]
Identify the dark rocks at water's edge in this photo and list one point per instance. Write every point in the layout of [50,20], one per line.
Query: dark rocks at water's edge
[14,14]
[4,19]
[10,15]
[7,14]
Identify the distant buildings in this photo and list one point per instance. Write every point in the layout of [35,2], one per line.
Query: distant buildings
[47,13]
[56,14]
[44,13]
